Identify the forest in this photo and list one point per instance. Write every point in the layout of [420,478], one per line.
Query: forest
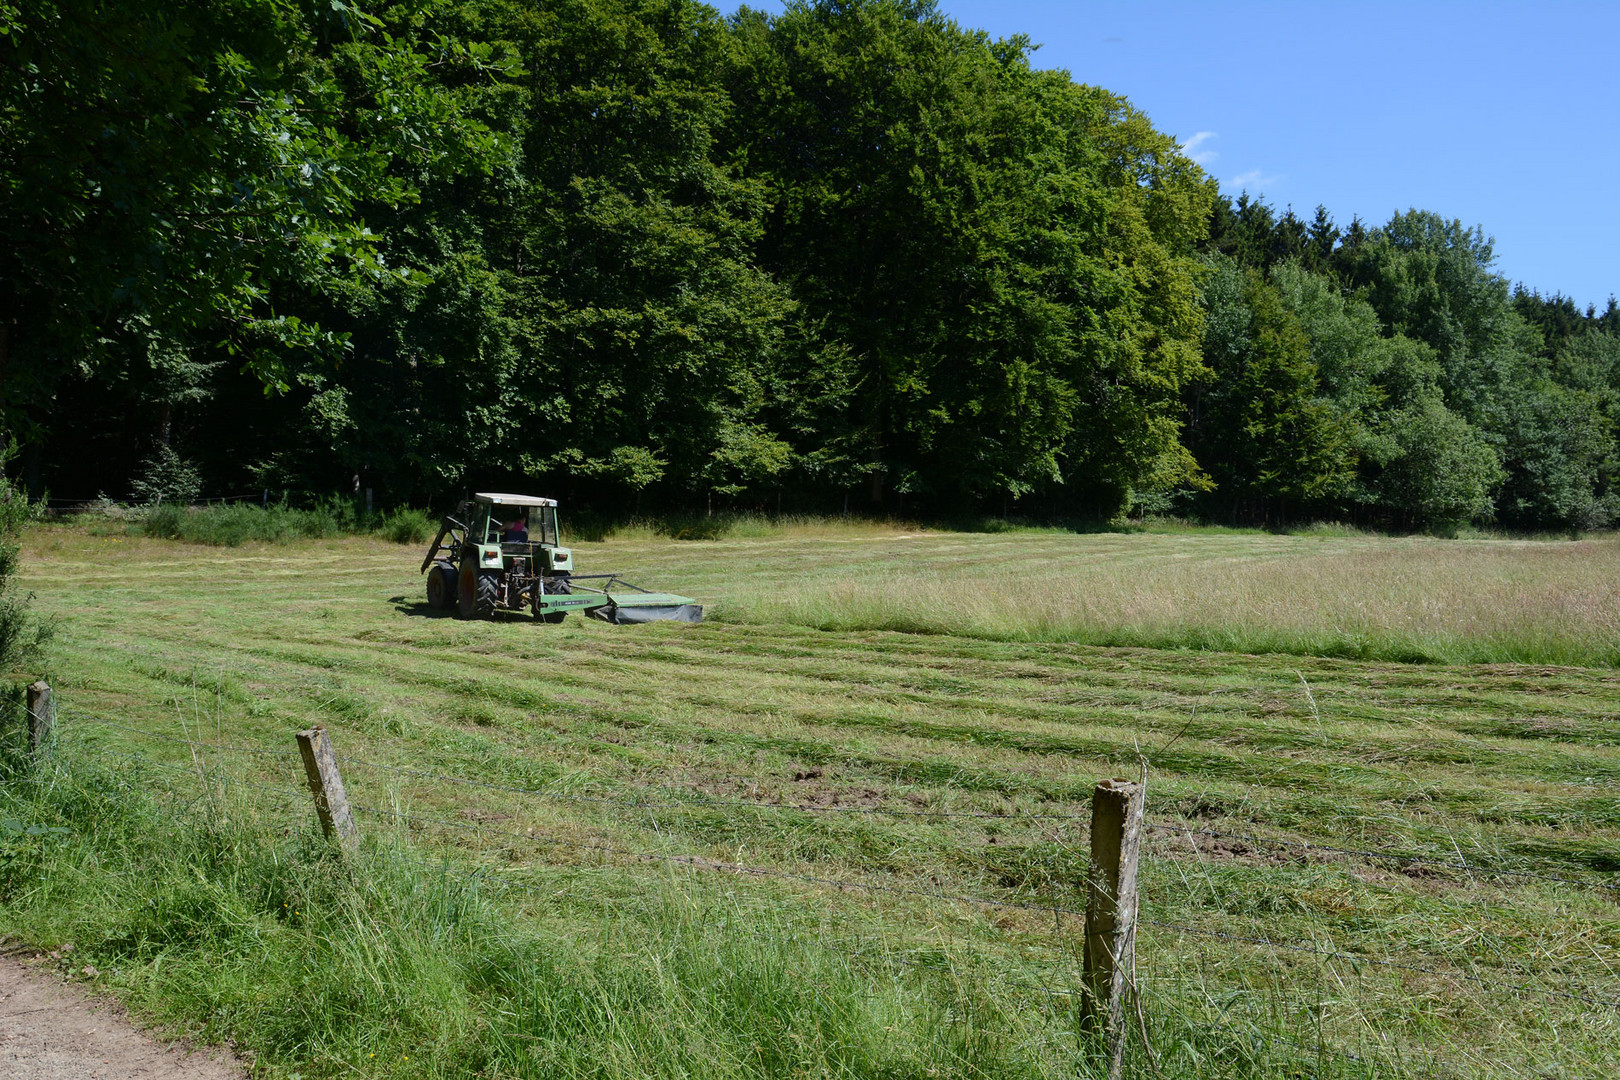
[644,253]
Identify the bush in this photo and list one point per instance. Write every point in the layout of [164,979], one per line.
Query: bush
[165,476]
[20,634]
[232,524]
[407,526]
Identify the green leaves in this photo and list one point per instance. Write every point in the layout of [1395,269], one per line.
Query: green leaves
[1002,253]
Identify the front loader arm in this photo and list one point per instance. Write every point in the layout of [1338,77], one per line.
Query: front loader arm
[448,527]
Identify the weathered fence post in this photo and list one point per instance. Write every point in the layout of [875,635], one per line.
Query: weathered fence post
[331,804]
[41,716]
[1116,834]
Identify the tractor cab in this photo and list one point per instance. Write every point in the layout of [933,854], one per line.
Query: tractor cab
[507,533]
[524,526]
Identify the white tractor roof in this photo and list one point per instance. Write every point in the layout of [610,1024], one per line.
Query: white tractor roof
[501,499]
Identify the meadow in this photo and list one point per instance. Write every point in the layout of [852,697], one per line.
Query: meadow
[839,828]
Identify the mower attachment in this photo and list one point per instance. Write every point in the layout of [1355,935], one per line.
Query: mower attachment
[633,604]
[653,607]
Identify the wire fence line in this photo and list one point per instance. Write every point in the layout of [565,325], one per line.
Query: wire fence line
[1357,958]
[291,795]
[638,802]
[700,863]
[702,802]
[693,862]
[196,744]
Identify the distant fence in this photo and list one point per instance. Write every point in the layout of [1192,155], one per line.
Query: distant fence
[1115,826]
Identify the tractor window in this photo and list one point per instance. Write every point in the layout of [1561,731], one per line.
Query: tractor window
[482,524]
[544,525]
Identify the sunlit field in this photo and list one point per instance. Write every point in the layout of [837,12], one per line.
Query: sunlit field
[1474,601]
[839,828]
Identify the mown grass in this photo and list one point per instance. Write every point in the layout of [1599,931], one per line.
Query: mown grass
[1506,765]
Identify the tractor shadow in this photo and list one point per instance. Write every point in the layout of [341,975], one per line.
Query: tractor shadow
[419,609]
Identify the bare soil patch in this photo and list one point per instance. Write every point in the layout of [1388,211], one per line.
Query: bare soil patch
[52,1030]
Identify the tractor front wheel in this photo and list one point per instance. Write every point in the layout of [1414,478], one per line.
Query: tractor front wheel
[441,586]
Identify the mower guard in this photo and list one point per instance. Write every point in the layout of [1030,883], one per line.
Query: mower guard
[621,603]
[653,607]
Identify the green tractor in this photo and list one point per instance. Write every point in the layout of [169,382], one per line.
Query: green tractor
[500,552]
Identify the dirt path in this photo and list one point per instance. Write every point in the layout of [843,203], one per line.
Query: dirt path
[50,1030]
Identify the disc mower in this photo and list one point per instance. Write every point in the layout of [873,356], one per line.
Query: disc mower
[501,552]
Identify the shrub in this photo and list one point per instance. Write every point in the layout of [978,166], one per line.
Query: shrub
[232,524]
[20,634]
[165,476]
[408,526]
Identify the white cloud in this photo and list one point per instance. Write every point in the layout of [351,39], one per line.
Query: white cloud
[1254,181]
[1190,148]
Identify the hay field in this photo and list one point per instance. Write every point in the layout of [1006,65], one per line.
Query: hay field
[1421,599]
[907,678]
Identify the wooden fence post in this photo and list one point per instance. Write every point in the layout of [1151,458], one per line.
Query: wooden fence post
[41,716]
[1116,834]
[331,804]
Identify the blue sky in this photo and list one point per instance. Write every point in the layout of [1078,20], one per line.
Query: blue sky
[1505,115]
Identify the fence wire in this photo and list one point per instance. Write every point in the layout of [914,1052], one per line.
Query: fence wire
[637,802]
[705,802]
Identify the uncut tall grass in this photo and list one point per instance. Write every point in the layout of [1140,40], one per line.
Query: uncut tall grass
[1415,600]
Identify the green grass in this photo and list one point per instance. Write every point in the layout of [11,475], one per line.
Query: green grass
[560,958]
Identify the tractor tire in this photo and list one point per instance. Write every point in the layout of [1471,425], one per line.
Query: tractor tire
[467,592]
[441,586]
[489,593]
[553,587]
[478,593]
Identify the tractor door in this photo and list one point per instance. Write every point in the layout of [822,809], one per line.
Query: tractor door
[478,531]
[545,517]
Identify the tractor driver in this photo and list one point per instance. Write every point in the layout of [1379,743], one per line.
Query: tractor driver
[517,530]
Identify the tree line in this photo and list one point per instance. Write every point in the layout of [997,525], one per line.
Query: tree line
[640,253]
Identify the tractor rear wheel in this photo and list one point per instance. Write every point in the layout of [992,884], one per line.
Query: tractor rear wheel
[478,592]
[489,592]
